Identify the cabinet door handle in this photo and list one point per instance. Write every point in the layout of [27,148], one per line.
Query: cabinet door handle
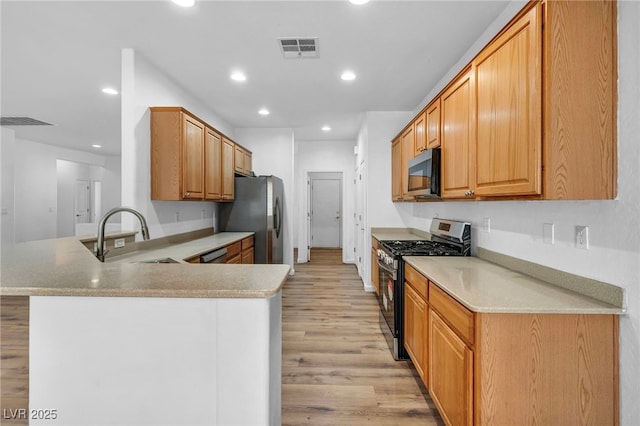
[187,194]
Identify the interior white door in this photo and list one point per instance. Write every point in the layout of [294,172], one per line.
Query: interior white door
[82,205]
[326,212]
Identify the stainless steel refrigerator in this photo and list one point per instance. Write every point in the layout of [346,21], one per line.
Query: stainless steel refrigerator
[257,207]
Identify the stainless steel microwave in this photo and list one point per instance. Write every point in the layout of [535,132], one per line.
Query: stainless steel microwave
[424,174]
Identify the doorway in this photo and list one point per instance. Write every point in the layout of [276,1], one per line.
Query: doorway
[325,209]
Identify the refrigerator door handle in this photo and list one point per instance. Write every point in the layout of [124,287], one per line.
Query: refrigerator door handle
[278,217]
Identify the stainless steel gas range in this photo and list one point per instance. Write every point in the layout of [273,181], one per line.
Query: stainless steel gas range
[448,238]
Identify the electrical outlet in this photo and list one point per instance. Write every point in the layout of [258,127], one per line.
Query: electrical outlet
[582,237]
[548,233]
[119,242]
[486,224]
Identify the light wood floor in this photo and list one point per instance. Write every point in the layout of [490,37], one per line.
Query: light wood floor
[337,368]
[14,354]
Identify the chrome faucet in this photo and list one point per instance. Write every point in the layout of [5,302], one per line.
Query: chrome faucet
[100,251]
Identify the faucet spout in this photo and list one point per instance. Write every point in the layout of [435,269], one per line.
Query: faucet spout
[100,251]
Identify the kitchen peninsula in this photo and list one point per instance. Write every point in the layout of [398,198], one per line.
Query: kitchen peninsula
[148,343]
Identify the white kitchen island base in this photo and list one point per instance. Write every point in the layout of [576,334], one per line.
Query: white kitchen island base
[152,361]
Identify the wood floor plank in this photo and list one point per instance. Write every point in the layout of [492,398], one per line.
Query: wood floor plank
[337,368]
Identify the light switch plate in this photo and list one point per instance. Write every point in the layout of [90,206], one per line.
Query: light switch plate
[118,243]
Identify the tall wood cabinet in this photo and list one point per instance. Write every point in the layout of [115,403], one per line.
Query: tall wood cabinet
[458,137]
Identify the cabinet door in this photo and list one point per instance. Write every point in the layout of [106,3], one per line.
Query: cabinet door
[408,149]
[433,124]
[238,159]
[247,256]
[228,147]
[396,170]
[193,158]
[248,163]
[420,133]
[450,373]
[415,332]
[508,74]
[213,165]
[458,138]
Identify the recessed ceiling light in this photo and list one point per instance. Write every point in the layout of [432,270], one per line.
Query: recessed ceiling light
[326,128]
[358,2]
[109,91]
[348,76]
[184,3]
[95,145]
[238,76]
[263,111]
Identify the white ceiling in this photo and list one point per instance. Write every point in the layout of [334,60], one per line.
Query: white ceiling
[57,55]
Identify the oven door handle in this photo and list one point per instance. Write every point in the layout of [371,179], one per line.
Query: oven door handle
[388,269]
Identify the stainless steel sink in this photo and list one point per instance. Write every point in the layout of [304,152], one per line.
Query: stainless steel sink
[159,260]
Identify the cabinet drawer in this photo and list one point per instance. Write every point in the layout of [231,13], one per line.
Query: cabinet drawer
[233,249]
[247,242]
[418,281]
[457,316]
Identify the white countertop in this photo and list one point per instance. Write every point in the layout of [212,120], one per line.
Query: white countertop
[64,267]
[482,286]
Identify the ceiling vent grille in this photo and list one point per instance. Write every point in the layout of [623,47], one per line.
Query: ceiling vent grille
[22,121]
[299,47]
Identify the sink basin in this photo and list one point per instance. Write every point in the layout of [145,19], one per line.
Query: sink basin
[159,260]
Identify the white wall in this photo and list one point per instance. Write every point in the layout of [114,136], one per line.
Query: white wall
[30,178]
[273,153]
[614,226]
[324,156]
[143,86]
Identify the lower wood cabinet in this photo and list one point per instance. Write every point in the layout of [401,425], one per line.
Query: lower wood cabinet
[511,368]
[415,320]
[246,245]
[375,273]
[450,373]
[241,251]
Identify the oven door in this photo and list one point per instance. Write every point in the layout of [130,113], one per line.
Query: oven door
[386,297]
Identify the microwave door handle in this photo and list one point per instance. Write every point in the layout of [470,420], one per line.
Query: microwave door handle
[388,269]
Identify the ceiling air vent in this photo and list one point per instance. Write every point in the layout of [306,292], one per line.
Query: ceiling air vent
[22,121]
[299,47]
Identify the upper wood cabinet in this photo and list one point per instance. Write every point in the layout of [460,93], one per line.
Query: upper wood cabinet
[191,160]
[543,104]
[408,150]
[396,169]
[580,100]
[508,99]
[177,155]
[213,165]
[420,133]
[458,138]
[432,115]
[228,187]
[242,161]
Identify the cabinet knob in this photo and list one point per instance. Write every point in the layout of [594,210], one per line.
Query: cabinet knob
[187,194]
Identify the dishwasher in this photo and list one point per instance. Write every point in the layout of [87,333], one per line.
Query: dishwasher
[216,256]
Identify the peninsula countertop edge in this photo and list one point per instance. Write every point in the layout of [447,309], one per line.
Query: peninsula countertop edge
[65,267]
